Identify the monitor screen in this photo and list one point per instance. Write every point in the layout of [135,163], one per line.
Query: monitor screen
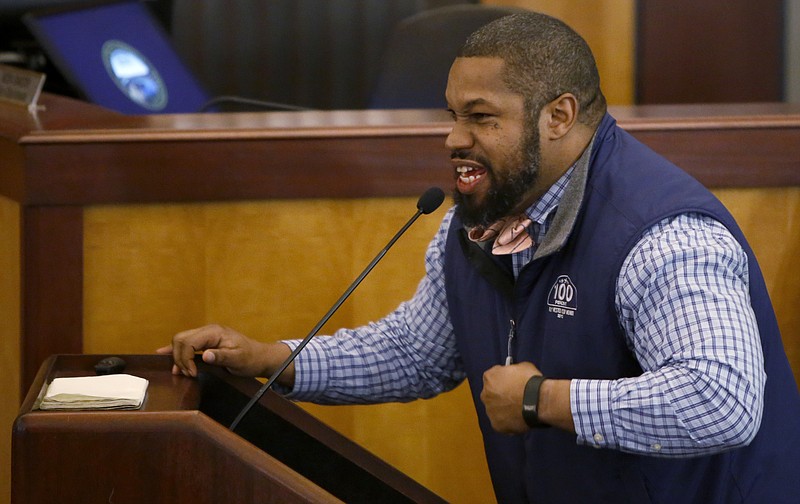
[118,56]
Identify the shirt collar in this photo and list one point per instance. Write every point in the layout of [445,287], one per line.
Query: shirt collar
[566,195]
[548,203]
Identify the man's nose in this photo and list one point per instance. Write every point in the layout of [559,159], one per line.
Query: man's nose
[459,138]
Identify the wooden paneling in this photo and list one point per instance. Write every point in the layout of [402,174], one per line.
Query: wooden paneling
[608,27]
[770,218]
[9,330]
[712,51]
[52,276]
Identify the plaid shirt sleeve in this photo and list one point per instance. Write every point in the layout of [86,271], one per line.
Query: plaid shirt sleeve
[683,302]
[409,354]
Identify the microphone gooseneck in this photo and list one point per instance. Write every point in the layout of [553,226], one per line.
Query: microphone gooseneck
[427,203]
[259,104]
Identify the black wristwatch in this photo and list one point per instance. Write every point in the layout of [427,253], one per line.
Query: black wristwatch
[530,402]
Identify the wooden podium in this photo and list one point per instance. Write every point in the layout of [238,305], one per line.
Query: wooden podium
[178,448]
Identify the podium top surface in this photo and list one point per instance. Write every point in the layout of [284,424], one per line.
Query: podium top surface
[76,153]
[66,120]
[165,391]
[278,447]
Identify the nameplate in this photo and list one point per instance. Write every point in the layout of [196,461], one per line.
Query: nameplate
[21,87]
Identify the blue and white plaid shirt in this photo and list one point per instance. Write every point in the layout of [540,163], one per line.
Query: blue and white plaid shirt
[682,299]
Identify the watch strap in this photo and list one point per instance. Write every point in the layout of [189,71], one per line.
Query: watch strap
[530,402]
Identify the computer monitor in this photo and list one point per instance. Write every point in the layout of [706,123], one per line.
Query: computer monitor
[118,56]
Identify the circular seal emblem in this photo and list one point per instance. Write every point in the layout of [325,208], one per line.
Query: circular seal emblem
[134,75]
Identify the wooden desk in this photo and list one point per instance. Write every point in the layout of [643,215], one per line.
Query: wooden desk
[74,154]
[72,157]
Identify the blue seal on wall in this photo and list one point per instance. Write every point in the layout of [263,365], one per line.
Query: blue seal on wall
[134,75]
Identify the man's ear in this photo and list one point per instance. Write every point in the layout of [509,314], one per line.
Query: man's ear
[559,116]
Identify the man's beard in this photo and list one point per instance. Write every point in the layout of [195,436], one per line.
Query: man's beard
[506,194]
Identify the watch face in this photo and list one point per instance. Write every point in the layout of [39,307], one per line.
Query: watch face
[134,75]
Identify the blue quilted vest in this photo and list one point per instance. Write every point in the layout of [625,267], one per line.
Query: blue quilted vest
[563,308]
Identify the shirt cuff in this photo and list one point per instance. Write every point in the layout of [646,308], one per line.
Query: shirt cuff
[310,371]
[590,401]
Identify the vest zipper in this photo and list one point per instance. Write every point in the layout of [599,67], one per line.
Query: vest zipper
[512,332]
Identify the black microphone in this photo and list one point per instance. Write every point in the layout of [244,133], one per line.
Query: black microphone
[427,203]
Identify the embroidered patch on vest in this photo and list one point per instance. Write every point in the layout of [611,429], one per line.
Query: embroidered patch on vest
[563,297]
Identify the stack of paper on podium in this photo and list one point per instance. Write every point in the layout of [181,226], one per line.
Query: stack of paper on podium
[116,391]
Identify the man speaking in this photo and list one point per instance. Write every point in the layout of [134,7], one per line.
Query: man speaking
[611,319]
